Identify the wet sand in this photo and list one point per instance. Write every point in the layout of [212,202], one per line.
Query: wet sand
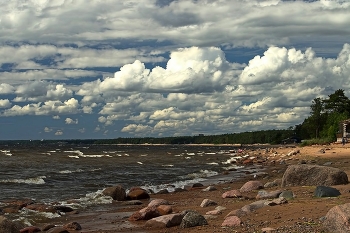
[303,212]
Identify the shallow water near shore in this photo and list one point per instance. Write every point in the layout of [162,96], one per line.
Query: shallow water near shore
[57,173]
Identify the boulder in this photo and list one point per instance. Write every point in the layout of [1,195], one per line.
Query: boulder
[169,220]
[193,186]
[116,192]
[164,209]
[251,185]
[137,194]
[48,227]
[7,226]
[30,229]
[192,219]
[145,214]
[231,221]
[72,226]
[324,191]
[158,202]
[313,175]
[338,219]
[288,194]
[208,202]
[267,195]
[42,208]
[232,194]
[64,209]
[274,183]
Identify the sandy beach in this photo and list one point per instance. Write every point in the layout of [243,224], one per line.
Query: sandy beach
[302,214]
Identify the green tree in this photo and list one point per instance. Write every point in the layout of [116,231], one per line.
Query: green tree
[337,102]
[317,117]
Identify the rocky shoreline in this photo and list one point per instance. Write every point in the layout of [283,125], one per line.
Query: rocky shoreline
[269,202]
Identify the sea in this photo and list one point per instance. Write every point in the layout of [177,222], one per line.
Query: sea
[60,173]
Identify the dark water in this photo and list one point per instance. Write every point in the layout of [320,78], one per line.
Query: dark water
[57,173]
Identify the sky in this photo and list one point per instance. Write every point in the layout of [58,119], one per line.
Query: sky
[77,69]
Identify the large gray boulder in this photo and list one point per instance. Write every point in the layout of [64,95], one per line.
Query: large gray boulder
[313,175]
[338,219]
[192,219]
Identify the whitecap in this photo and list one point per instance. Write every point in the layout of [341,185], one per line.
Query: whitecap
[73,156]
[95,198]
[168,165]
[213,163]
[35,180]
[139,162]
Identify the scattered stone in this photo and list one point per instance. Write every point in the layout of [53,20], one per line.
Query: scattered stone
[72,226]
[232,194]
[208,202]
[164,209]
[251,185]
[116,192]
[48,227]
[163,191]
[237,212]
[267,195]
[214,212]
[42,208]
[158,202]
[231,221]
[30,229]
[324,191]
[192,219]
[169,220]
[145,214]
[137,194]
[276,201]
[209,188]
[57,230]
[313,175]
[287,195]
[337,219]
[64,209]
[268,230]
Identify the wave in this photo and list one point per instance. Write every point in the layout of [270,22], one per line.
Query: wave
[70,171]
[35,180]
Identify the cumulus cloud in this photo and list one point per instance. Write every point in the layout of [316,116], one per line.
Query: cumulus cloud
[47,130]
[59,133]
[70,121]
[5,103]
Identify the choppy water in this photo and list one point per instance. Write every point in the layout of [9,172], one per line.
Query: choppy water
[56,173]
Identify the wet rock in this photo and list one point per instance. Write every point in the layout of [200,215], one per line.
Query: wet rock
[324,191]
[251,185]
[57,230]
[169,220]
[30,229]
[267,195]
[231,221]
[192,186]
[48,227]
[163,191]
[313,175]
[42,208]
[137,194]
[72,226]
[338,219]
[7,226]
[208,202]
[64,209]
[232,194]
[116,192]
[178,190]
[192,219]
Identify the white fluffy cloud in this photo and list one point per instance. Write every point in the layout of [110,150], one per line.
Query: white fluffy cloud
[70,121]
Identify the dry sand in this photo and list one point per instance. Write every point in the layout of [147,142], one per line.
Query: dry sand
[301,214]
